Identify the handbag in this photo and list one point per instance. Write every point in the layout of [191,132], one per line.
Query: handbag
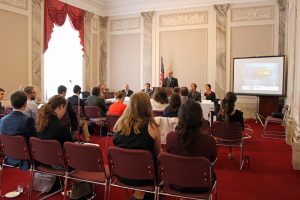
[43,182]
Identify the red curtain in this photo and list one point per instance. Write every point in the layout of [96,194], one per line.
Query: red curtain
[55,13]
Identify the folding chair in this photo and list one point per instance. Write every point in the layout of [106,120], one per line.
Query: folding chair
[229,134]
[186,173]
[87,161]
[15,147]
[46,154]
[94,116]
[111,120]
[133,165]
[273,133]
[157,113]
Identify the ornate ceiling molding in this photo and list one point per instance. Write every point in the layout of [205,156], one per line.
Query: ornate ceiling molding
[23,4]
[125,24]
[181,19]
[252,13]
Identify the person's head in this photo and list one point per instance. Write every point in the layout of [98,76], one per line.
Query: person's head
[77,89]
[193,87]
[102,87]
[160,95]
[184,91]
[175,102]
[176,90]
[96,91]
[190,117]
[228,105]
[56,106]
[18,100]
[126,87]
[2,94]
[30,91]
[147,86]
[137,113]
[62,90]
[208,87]
[120,96]
[170,73]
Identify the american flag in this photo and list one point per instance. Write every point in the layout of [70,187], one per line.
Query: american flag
[162,72]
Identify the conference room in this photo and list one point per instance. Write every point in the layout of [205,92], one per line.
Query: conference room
[159,99]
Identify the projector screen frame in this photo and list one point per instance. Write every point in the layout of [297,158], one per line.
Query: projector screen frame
[284,73]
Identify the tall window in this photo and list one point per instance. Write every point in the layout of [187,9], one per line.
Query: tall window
[63,60]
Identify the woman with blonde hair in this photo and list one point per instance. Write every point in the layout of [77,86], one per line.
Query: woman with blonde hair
[48,124]
[137,129]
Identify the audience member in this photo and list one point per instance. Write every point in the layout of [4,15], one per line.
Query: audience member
[188,140]
[127,91]
[2,94]
[176,90]
[17,123]
[62,91]
[31,108]
[102,90]
[148,90]
[184,92]
[228,113]
[210,95]
[74,100]
[160,99]
[48,124]
[170,81]
[172,109]
[118,107]
[193,94]
[96,100]
[137,129]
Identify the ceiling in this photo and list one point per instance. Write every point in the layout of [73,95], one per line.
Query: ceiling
[122,7]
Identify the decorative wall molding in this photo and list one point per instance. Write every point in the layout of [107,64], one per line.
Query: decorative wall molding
[95,24]
[283,9]
[180,19]
[23,4]
[103,49]
[88,17]
[252,13]
[125,24]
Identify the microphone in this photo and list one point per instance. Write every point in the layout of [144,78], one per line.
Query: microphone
[71,82]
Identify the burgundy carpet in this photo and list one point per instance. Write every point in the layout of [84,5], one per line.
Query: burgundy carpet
[270,175]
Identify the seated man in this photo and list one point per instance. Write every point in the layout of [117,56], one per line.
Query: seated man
[118,107]
[17,123]
[147,90]
[194,94]
[127,91]
[96,100]
[31,108]
[2,93]
[74,100]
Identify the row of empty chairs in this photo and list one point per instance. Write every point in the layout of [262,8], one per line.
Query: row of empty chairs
[84,162]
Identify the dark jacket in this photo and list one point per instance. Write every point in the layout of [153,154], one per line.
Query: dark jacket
[74,102]
[97,101]
[196,96]
[172,84]
[129,93]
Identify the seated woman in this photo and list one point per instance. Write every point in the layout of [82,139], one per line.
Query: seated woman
[118,107]
[173,107]
[228,113]
[210,95]
[48,124]
[137,129]
[188,140]
[160,99]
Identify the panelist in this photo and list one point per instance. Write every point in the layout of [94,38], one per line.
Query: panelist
[147,90]
[210,95]
[193,94]
[127,91]
[170,81]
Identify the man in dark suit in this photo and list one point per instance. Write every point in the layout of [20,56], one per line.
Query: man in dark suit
[127,91]
[62,91]
[2,94]
[210,95]
[147,90]
[193,94]
[17,123]
[96,100]
[170,81]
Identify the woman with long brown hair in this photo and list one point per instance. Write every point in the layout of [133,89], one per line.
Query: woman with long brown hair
[137,129]
[228,113]
[48,124]
[160,99]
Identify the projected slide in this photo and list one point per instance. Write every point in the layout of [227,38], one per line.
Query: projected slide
[259,76]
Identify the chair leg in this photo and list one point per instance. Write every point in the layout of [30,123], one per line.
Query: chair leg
[31,176]
[106,141]
[65,186]
[1,177]
[109,186]
[241,158]
[105,189]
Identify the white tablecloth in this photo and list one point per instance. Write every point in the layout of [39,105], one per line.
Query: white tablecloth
[126,101]
[207,107]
